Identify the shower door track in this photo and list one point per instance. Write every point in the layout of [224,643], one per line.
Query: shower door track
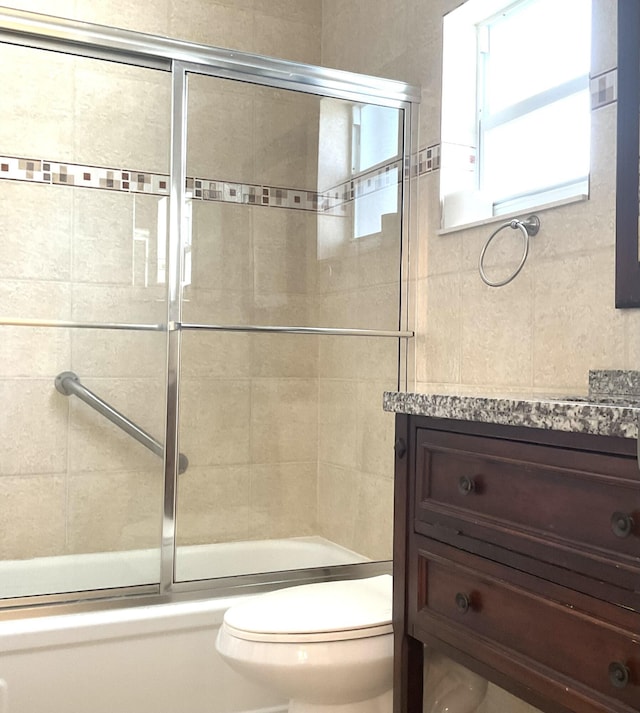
[326,331]
[180,58]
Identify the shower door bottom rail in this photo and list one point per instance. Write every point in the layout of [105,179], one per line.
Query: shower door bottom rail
[68,383]
[327,331]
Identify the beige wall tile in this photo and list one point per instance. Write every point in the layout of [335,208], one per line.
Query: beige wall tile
[337,422]
[32,513]
[284,421]
[35,299]
[286,127]
[338,310]
[334,142]
[36,224]
[378,307]
[122,116]
[113,354]
[37,124]
[377,358]
[631,320]
[279,309]
[119,303]
[213,504]
[215,421]
[339,358]
[283,500]
[27,352]
[576,327]
[497,332]
[439,329]
[114,511]
[210,355]
[307,11]
[122,13]
[220,130]
[103,237]
[283,251]
[57,8]
[375,430]
[335,234]
[283,356]
[336,274]
[222,247]
[338,490]
[212,23]
[302,39]
[205,305]
[33,424]
[436,254]
[373,536]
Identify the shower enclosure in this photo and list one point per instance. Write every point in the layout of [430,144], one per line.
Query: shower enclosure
[203,294]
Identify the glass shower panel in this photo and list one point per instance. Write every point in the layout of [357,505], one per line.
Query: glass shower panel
[84,147]
[285,434]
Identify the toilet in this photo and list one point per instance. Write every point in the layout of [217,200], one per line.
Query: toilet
[327,647]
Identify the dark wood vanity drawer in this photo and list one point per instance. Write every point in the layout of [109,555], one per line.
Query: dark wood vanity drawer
[511,623]
[575,509]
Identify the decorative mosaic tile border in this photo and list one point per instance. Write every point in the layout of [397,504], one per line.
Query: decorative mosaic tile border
[69,174]
[427,160]
[603,89]
[127,181]
[336,199]
[252,194]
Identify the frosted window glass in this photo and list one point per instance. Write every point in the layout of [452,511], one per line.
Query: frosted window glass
[551,144]
[538,46]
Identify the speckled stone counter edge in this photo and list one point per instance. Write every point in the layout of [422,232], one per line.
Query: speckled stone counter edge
[573,416]
[614,383]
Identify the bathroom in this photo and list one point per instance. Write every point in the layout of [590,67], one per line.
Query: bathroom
[285,434]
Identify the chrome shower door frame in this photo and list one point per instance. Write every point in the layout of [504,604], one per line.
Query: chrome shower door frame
[181,58]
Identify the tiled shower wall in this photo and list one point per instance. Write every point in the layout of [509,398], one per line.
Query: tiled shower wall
[280,431]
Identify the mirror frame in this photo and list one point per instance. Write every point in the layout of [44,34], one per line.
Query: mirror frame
[627,292]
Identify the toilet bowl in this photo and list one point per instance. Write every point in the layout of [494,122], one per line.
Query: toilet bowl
[327,647]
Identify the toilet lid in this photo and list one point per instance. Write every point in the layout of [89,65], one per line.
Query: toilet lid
[316,612]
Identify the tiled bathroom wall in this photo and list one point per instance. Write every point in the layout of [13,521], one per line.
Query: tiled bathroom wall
[544,331]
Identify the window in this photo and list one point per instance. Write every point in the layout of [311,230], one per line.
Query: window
[516,111]
[375,151]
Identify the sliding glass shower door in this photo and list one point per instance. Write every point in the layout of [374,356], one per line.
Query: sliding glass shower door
[202,298]
[292,255]
[84,167]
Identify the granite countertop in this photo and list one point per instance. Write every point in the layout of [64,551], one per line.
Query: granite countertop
[612,407]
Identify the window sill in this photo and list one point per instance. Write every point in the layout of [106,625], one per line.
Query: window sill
[506,217]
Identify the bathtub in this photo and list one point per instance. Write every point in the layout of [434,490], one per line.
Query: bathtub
[49,575]
[159,658]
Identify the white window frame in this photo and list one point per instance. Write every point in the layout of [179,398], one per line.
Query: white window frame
[468,203]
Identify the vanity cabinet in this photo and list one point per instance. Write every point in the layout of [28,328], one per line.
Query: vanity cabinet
[517,553]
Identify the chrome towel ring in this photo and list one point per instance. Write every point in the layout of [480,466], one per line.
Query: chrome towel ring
[527,227]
